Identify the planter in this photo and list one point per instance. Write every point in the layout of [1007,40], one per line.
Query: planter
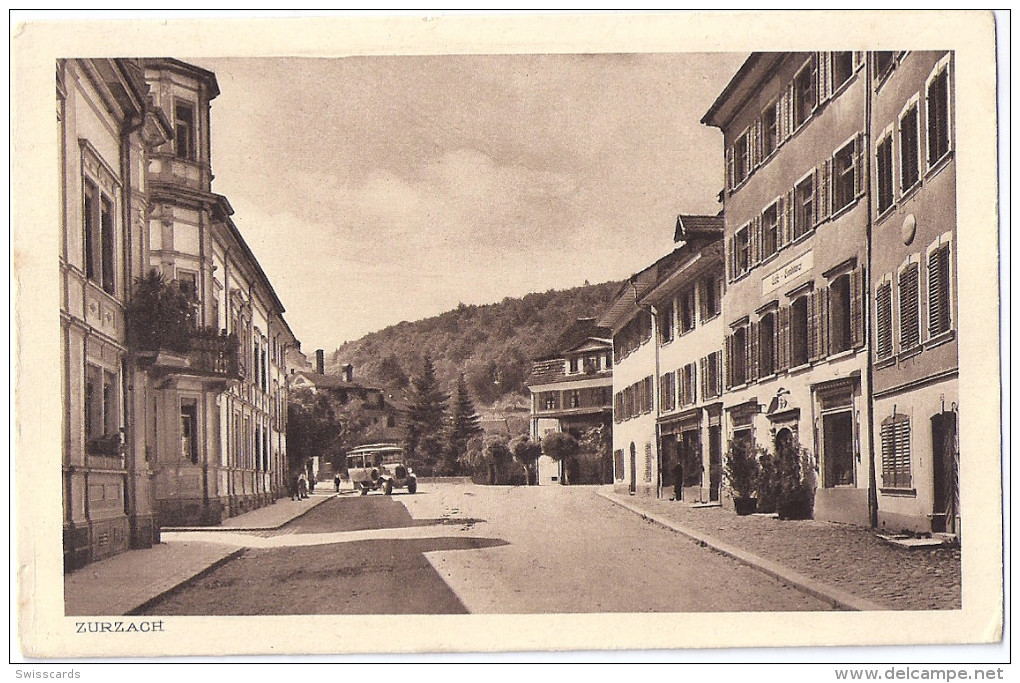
[745,506]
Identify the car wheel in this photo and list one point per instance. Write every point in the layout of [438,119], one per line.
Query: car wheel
[388,487]
[412,486]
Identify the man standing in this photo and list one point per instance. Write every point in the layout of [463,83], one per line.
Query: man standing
[678,480]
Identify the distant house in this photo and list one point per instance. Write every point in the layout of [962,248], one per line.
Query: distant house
[571,388]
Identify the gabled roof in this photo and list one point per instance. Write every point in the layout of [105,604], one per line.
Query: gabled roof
[579,332]
[689,226]
[330,381]
[754,70]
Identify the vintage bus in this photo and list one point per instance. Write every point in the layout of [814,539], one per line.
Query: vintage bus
[380,467]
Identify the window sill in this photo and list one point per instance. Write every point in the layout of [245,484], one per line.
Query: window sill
[801,238]
[940,339]
[771,257]
[885,213]
[681,333]
[910,191]
[711,317]
[909,353]
[898,493]
[844,209]
[937,167]
[800,368]
[741,276]
[886,362]
[841,355]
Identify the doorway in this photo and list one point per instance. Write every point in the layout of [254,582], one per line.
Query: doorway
[838,448]
[714,462]
[945,470]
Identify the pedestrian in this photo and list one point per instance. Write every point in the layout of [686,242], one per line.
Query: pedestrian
[302,486]
[295,487]
[678,480]
[336,482]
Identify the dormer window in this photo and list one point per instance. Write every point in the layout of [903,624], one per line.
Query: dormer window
[573,365]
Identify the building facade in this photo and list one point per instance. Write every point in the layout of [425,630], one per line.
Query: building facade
[797,220]
[667,347]
[914,291]
[169,417]
[105,129]
[218,429]
[571,389]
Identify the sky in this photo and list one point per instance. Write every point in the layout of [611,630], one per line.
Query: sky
[379,189]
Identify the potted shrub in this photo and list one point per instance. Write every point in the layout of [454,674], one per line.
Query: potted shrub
[768,482]
[796,473]
[742,472]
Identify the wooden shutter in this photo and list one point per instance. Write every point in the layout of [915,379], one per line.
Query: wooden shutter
[812,325]
[729,168]
[728,348]
[822,318]
[752,352]
[823,203]
[783,334]
[693,382]
[788,220]
[857,303]
[860,175]
[729,259]
[823,81]
[754,239]
[703,375]
[938,290]
[909,307]
[788,114]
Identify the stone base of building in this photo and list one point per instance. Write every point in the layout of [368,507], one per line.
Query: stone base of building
[144,531]
[893,522]
[190,512]
[94,540]
[846,505]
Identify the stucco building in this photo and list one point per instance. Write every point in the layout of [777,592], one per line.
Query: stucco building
[914,291]
[667,382]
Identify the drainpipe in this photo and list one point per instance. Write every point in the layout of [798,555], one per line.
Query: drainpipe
[655,385]
[866,299]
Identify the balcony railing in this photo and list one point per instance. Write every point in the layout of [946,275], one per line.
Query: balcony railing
[206,354]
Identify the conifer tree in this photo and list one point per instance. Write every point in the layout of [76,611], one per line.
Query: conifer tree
[464,423]
[426,415]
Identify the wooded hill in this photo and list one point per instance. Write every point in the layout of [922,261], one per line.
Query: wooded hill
[493,344]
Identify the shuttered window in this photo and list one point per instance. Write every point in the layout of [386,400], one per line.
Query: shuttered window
[667,391]
[938,291]
[687,310]
[648,462]
[738,357]
[741,159]
[666,324]
[842,68]
[804,207]
[896,453]
[910,323]
[938,115]
[711,375]
[909,172]
[687,376]
[804,93]
[844,177]
[783,340]
[883,319]
[799,332]
[770,231]
[769,130]
[884,170]
[767,345]
[741,251]
[839,314]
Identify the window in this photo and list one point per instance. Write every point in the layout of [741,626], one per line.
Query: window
[884,171]
[189,431]
[909,173]
[804,207]
[910,323]
[618,464]
[937,97]
[574,367]
[591,364]
[737,357]
[769,231]
[769,130]
[799,332]
[184,131]
[550,400]
[741,251]
[647,397]
[883,62]
[767,345]
[883,320]
[711,375]
[666,323]
[667,391]
[711,297]
[896,452]
[575,398]
[687,310]
[804,93]
[741,159]
[687,380]
[839,314]
[100,250]
[939,319]
[648,462]
[844,171]
[102,414]
[842,68]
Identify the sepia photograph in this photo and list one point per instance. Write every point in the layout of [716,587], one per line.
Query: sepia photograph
[505,333]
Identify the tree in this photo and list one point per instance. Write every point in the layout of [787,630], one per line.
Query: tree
[391,373]
[526,452]
[561,447]
[426,414]
[496,454]
[464,421]
[310,428]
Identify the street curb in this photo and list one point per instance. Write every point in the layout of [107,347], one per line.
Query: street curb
[134,611]
[836,596]
[220,527]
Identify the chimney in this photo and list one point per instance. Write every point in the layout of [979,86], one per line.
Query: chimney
[347,370]
[320,361]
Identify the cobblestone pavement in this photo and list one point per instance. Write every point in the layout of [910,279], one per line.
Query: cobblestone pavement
[843,555]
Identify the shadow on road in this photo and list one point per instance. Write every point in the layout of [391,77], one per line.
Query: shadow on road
[360,513]
[362,577]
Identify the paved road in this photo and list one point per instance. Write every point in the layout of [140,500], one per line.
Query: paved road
[453,549]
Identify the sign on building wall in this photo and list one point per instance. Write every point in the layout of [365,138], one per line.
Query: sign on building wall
[784,274]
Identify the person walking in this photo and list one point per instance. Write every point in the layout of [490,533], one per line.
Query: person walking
[295,487]
[336,482]
[302,486]
[678,480]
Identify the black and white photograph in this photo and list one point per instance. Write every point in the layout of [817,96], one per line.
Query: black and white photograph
[505,333]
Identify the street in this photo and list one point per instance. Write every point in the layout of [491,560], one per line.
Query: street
[454,549]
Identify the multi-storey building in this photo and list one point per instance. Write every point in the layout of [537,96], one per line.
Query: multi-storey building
[667,347]
[913,287]
[218,418]
[571,388]
[796,230]
[104,129]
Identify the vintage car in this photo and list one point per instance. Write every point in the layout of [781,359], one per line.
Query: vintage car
[380,467]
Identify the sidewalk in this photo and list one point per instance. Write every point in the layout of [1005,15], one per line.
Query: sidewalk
[844,564]
[123,583]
